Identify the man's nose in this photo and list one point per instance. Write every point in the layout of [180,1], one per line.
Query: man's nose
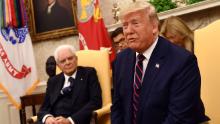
[129,29]
[120,44]
[67,61]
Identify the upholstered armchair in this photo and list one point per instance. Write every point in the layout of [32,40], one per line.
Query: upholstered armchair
[207,50]
[100,61]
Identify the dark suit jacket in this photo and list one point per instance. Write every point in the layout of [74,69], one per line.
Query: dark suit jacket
[170,93]
[58,18]
[86,95]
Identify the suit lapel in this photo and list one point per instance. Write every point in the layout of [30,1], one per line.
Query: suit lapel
[76,87]
[78,82]
[58,86]
[155,63]
[129,79]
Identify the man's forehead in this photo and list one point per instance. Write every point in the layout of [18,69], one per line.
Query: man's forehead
[118,37]
[65,53]
[132,16]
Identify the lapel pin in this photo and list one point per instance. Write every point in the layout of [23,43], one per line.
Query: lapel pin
[81,79]
[157,65]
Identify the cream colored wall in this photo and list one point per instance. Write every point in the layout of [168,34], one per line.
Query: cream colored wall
[106,7]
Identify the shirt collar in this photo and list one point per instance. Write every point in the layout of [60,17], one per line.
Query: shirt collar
[147,53]
[50,6]
[73,75]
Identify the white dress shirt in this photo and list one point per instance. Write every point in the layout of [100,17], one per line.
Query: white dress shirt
[147,53]
[50,7]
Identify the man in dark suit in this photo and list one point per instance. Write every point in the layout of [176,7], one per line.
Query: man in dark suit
[54,17]
[155,82]
[72,95]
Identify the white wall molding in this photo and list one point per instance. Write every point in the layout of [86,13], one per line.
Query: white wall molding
[189,9]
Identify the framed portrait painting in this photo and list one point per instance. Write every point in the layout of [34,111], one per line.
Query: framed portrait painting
[49,19]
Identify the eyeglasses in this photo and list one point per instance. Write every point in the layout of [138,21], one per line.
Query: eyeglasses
[121,42]
[71,58]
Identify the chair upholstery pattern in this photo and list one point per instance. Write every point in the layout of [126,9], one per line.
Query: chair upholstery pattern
[207,50]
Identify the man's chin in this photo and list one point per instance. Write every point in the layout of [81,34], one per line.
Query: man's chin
[134,47]
[70,72]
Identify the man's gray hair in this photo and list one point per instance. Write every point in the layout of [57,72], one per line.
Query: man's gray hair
[137,6]
[63,47]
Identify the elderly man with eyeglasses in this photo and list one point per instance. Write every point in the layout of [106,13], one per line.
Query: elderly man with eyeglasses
[72,95]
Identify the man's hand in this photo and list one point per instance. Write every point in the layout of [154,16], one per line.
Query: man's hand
[62,120]
[57,120]
[50,120]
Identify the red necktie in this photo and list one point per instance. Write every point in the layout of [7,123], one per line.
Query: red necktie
[137,86]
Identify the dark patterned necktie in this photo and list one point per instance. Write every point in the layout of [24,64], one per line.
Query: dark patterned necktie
[137,86]
[68,89]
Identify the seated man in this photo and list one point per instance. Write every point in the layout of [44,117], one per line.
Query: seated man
[72,95]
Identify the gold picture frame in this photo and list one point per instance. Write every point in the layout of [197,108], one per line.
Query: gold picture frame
[58,21]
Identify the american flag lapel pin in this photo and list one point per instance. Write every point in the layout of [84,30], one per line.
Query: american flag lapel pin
[157,65]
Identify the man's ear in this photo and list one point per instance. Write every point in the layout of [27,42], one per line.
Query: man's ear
[58,65]
[155,26]
[58,69]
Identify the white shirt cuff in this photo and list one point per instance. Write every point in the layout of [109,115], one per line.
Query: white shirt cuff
[45,117]
[71,120]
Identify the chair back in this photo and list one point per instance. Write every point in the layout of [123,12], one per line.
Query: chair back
[100,61]
[30,100]
[207,50]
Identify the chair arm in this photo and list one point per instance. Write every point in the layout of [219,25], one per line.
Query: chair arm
[32,120]
[102,111]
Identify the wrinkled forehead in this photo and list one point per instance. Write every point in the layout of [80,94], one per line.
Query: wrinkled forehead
[64,53]
[65,50]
